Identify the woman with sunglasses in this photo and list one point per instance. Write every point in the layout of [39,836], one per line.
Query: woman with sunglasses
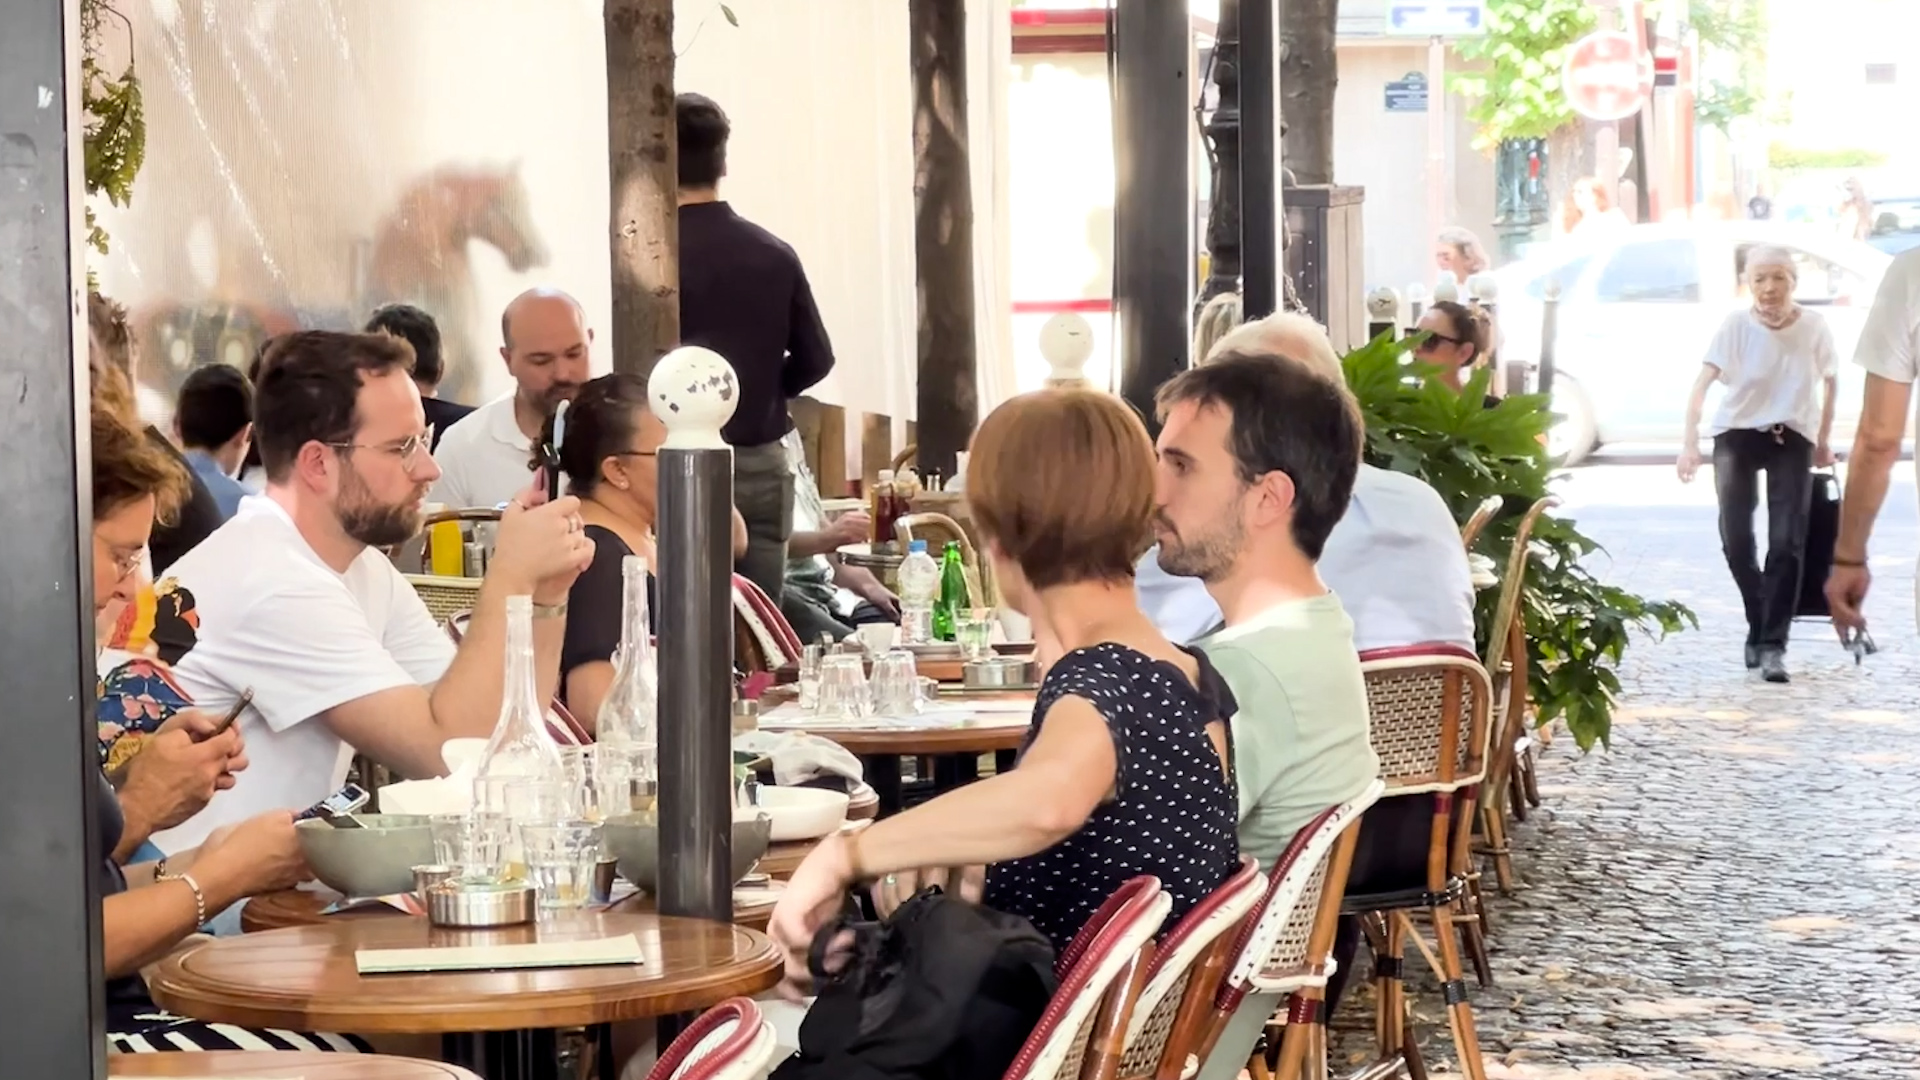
[609,441]
[1457,339]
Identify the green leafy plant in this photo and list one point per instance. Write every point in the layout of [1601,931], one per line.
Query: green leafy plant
[115,119]
[1735,32]
[1577,627]
[1515,92]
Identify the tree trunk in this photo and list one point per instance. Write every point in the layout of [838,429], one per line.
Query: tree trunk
[947,400]
[642,182]
[1308,74]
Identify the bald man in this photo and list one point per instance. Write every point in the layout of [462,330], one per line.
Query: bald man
[545,342]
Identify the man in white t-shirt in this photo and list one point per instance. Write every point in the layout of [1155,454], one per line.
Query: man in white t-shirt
[1889,350]
[292,600]
[484,457]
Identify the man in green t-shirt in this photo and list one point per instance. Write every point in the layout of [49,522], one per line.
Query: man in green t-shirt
[1258,454]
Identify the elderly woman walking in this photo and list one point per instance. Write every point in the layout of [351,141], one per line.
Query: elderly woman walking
[1777,362]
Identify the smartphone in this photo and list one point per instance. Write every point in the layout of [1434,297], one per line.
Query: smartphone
[233,714]
[337,809]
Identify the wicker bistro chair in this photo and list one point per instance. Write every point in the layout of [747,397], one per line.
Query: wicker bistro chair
[1482,515]
[445,597]
[1429,707]
[1102,972]
[730,1041]
[1170,1018]
[1283,951]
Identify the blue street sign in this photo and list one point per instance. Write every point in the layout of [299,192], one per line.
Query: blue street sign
[1436,18]
[1408,95]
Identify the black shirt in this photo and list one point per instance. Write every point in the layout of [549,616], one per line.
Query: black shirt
[127,989]
[442,415]
[195,520]
[744,295]
[595,615]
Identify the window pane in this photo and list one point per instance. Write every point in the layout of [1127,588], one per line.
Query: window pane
[1652,271]
[1566,274]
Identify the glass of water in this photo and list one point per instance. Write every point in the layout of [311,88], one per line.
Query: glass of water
[973,628]
[843,687]
[623,778]
[474,845]
[895,684]
[560,861]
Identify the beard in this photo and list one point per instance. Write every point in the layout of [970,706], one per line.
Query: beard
[374,523]
[1208,554]
[551,398]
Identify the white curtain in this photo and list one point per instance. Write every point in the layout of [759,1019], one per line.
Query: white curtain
[989,75]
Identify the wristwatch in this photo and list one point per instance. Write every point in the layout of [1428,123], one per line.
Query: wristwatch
[550,611]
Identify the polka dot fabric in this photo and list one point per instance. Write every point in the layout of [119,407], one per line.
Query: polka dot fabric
[1172,814]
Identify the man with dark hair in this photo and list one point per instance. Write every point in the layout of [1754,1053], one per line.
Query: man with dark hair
[214,421]
[418,329]
[293,601]
[744,295]
[199,515]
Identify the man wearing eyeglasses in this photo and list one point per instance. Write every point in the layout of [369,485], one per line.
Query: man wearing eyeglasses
[293,600]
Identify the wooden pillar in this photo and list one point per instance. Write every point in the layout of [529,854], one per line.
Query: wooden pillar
[643,183]
[51,1006]
[947,397]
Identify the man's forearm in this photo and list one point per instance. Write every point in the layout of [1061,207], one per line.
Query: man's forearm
[805,545]
[136,828]
[1869,470]
[1826,412]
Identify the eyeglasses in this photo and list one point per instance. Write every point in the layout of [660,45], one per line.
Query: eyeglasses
[1432,341]
[408,450]
[635,453]
[124,562]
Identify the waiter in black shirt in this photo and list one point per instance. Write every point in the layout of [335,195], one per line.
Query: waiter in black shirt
[744,295]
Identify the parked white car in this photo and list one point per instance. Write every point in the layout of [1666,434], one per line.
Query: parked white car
[1639,307]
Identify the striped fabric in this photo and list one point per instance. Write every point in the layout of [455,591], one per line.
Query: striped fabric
[155,1031]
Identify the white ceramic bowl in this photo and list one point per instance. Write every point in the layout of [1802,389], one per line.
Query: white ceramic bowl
[802,813]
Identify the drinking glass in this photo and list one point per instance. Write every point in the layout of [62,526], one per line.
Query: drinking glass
[536,800]
[577,768]
[623,779]
[560,860]
[895,684]
[843,687]
[473,844]
[809,679]
[973,628]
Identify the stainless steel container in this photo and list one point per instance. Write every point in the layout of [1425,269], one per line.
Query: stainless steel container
[453,904]
[999,673]
[426,877]
[604,873]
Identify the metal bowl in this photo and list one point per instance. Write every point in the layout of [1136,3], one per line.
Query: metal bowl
[634,839]
[453,904]
[999,673]
[374,860]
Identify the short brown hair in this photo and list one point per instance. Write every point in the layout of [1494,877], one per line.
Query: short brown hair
[127,464]
[308,390]
[1061,481]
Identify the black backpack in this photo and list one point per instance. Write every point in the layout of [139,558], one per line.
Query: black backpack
[942,990]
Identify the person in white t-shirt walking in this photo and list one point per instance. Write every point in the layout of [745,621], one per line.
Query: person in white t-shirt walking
[1889,350]
[1776,360]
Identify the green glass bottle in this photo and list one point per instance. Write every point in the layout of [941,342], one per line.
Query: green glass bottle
[953,593]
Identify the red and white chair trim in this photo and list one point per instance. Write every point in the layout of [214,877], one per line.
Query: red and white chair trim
[730,1041]
[1177,960]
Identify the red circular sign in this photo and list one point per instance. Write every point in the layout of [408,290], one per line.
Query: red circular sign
[1607,76]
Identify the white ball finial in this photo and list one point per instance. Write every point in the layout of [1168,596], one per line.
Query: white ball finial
[694,392]
[1383,303]
[1484,287]
[1066,344]
[1447,288]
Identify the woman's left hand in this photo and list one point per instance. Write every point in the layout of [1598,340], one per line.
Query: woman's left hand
[1822,456]
[966,883]
[811,900]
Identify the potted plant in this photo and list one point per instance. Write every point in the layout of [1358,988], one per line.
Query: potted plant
[1577,626]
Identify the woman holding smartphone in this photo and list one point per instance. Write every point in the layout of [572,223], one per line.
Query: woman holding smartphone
[1776,361]
[149,908]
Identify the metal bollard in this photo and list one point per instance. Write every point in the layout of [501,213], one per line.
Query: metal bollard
[693,391]
[1549,330]
[1416,305]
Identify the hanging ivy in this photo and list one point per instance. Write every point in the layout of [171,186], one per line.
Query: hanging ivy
[115,121]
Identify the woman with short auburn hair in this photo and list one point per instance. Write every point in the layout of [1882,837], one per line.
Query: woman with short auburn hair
[1125,769]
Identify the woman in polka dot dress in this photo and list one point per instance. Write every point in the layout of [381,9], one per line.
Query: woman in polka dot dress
[1126,769]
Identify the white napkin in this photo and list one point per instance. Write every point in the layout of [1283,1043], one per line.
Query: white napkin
[799,757]
[441,795]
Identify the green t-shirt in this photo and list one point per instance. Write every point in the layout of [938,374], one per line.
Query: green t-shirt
[1300,740]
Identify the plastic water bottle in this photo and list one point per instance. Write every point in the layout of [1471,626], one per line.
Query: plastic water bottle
[919,589]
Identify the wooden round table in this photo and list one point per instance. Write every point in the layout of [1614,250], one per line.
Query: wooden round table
[288,1064]
[305,979]
[307,907]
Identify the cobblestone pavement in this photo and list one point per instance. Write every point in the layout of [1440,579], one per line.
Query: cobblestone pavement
[1729,892]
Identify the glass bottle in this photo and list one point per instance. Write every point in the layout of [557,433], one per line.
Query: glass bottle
[626,738]
[953,594]
[521,754]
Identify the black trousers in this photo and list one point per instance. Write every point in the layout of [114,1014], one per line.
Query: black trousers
[1770,595]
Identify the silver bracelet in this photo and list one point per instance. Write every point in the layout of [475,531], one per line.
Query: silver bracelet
[199,899]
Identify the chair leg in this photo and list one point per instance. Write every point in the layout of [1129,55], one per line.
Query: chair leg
[1473,938]
[1493,825]
[1296,1039]
[1410,1053]
[1389,1003]
[1530,780]
[1466,1041]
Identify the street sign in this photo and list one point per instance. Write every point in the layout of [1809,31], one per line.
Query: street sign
[1436,18]
[1408,95]
[1607,76]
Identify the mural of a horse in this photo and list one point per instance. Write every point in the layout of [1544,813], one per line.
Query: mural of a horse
[420,256]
